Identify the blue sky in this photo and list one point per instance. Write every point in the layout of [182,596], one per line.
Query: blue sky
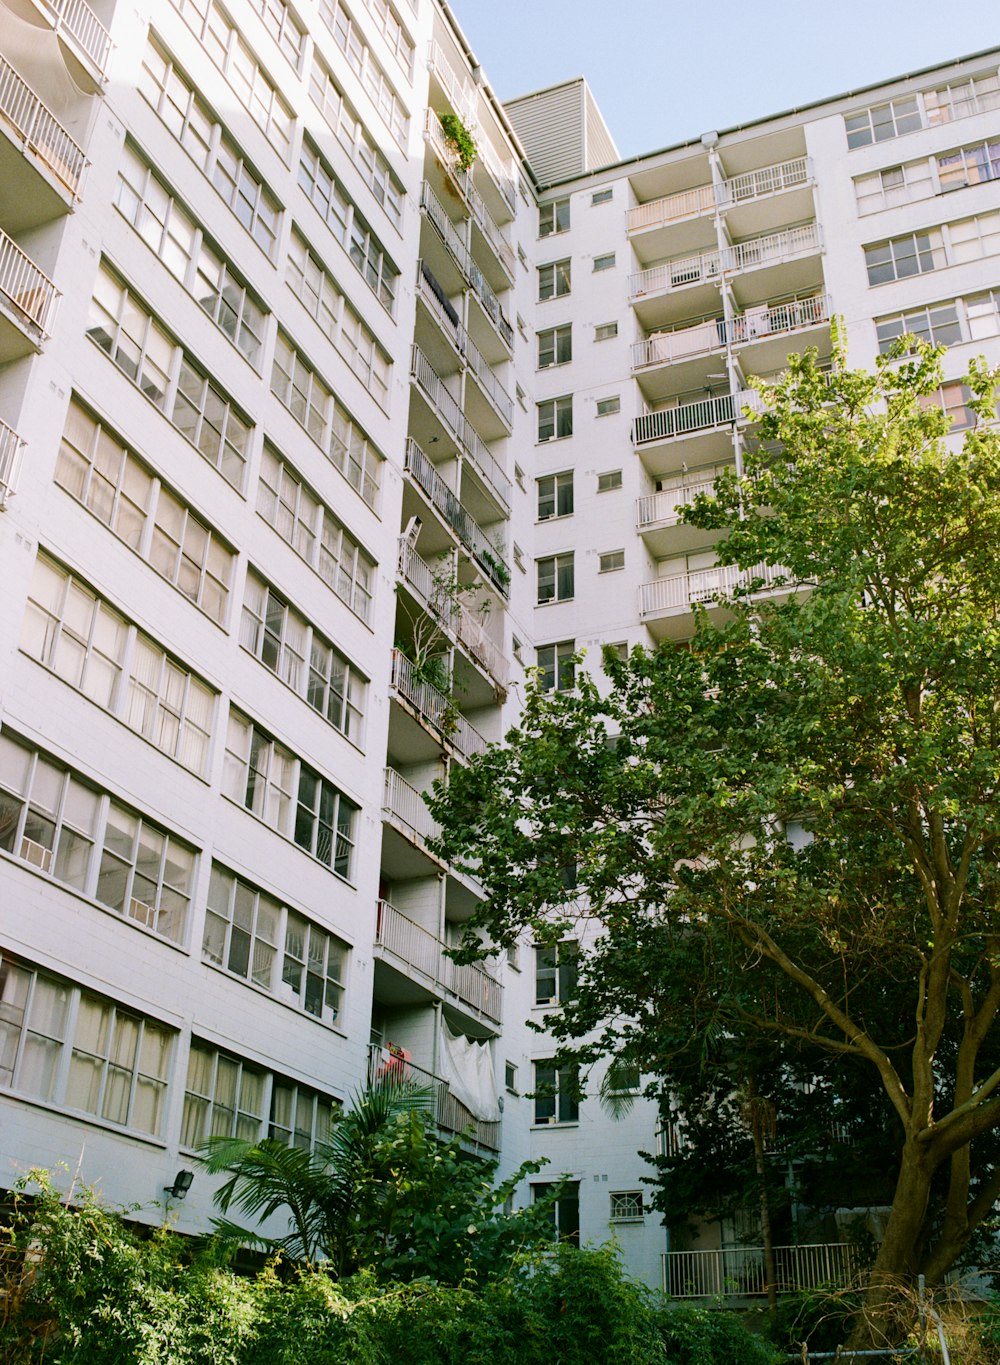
[663,72]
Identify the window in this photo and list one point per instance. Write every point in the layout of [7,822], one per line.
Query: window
[914,254]
[939,326]
[283,27]
[605,331]
[510,1078]
[611,561]
[953,398]
[137,344]
[973,238]
[521,397]
[313,968]
[969,166]
[556,1094]
[555,346]
[553,280]
[206,416]
[607,407]
[145,874]
[522,326]
[555,579]
[158,218]
[228,303]
[882,122]
[962,98]
[518,556]
[553,218]
[555,496]
[602,196]
[894,185]
[513,957]
[359,144]
[299,1117]
[387,22]
[324,822]
[565,1210]
[983,313]
[556,666]
[556,968]
[605,262]
[519,477]
[118,1061]
[555,418]
[609,482]
[351,41]
[223,1097]
[626,1206]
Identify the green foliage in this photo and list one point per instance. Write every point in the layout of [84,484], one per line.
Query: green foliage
[821,1317]
[459,139]
[697,1336]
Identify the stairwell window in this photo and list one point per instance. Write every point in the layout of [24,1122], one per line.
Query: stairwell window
[557,667]
[555,418]
[554,280]
[555,346]
[611,561]
[605,262]
[555,579]
[555,496]
[553,218]
[607,407]
[556,1094]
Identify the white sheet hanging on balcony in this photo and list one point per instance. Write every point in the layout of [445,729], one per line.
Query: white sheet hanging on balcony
[468,1069]
[36,53]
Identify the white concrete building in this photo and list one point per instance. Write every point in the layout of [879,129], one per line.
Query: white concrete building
[311,440]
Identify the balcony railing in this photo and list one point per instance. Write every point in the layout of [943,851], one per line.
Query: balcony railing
[679,592]
[435,708]
[487,556]
[463,98]
[661,508]
[27,290]
[491,231]
[406,805]
[458,425]
[710,334]
[702,415]
[432,291]
[10,462]
[774,249]
[419,948]
[741,189]
[449,1113]
[79,20]
[39,129]
[455,617]
[738,1272]
[475,278]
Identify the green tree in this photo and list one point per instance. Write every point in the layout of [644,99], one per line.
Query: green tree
[383,1192]
[793,833]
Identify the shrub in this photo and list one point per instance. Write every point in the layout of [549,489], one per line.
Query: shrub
[701,1336]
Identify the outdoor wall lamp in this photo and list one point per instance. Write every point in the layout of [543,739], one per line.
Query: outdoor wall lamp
[183,1181]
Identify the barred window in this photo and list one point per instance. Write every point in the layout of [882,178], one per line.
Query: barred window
[626,1206]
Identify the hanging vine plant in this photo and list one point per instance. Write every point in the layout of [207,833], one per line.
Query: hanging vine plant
[459,139]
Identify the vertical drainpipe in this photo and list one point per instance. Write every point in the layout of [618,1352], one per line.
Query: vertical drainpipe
[710,141]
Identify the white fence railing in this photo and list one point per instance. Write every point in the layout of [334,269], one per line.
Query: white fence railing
[452,239]
[710,334]
[26,288]
[78,19]
[759,184]
[447,407]
[738,1272]
[455,617]
[679,592]
[435,707]
[406,804]
[660,509]
[449,1113]
[774,249]
[419,948]
[722,410]
[39,129]
[10,462]
[489,558]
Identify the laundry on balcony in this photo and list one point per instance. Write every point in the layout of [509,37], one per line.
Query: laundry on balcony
[467,1067]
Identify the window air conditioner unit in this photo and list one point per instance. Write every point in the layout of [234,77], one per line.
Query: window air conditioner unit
[36,854]
[144,913]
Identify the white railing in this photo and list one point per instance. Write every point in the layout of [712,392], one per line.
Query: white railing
[406,805]
[774,249]
[432,292]
[679,592]
[720,411]
[462,522]
[419,948]
[502,173]
[436,708]
[488,382]
[31,293]
[659,509]
[10,462]
[475,278]
[738,1272]
[711,333]
[449,1113]
[463,99]
[491,231]
[456,618]
[79,20]
[465,435]
[39,129]
[760,184]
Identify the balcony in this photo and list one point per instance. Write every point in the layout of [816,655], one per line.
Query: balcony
[441,497]
[741,189]
[405,805]
[458,620]
[450,1114]
[658,517]
[27,301]
[448,412]
[10,462]
[463,98]
[419,950]
[430,289]
[78,20]
[670,600]
[40,134]
[437,710]
[738,1272]
[776,248]
[666,425]
[470,271]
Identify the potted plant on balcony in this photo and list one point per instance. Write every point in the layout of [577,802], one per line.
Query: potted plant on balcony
[459,140]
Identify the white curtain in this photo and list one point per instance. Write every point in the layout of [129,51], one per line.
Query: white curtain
[468,1068]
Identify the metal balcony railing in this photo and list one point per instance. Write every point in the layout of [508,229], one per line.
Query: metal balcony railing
[680,343]
[79,20]
[722,410]
[464,98]
[39,129]
[475,278]
[10,462]
[449,1113]
[491,231]
[432,291]
[679,592]
[26,289]
[487,556]
[435,708]
[455,617]
[419,948]
[658,509]
[460,428]
[759,184]
[405,804]
[738,1272]
[773,249]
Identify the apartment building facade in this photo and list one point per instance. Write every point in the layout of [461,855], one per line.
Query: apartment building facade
[313,438]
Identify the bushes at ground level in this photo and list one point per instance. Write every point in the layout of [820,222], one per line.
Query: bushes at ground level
[82,1288]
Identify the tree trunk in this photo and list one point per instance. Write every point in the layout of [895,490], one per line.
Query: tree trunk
[770,1271]
[888,1311]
